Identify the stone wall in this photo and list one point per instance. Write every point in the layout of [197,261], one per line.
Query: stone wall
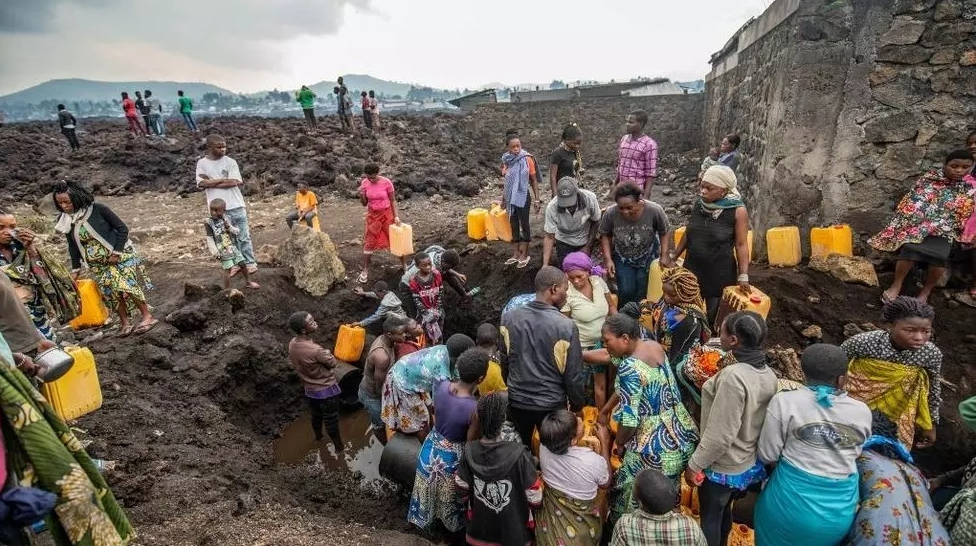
[843,104]
[674,121]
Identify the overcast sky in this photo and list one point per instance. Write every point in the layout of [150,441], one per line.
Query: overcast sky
[250,45]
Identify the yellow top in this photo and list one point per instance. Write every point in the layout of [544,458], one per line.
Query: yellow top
[305,202]
[493,379]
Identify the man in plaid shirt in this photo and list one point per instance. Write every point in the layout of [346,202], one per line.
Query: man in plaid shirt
[637,155]
[656,521]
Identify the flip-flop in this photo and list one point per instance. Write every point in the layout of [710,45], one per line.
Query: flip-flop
[886,299]
[126,331]
[523,263]
[363,277]
[511,261]
[965,298]
[253,285]
[143,328]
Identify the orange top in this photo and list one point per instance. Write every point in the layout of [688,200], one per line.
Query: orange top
[532,166]
[305,202]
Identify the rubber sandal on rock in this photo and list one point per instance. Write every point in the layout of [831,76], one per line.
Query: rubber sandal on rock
[511,261]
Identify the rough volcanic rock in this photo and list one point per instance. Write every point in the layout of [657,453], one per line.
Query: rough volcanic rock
[850,269]
[313,259]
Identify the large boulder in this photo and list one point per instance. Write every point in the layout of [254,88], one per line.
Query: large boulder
[313,259]
[850,269]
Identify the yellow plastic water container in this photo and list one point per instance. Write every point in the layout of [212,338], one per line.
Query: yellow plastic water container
[679,232]
[477,219]
[349,343]
[784,246]
[490,233]
[401,239]
[836,239]
[93,311]
[734,300]
[500,218]
[77,392]
[315,223]
[654,282]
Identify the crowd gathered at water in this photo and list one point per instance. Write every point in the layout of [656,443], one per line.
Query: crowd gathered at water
[587,412]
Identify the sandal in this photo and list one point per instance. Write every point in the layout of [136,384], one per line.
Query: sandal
[253,285]
[886,299]
[364,276]
[143,328]
[965,298]
[126,330]
[511,261]
[523,263]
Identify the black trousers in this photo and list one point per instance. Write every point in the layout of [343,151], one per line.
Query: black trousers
[562,249]
[716,511]
[145,119]
[325,411]
[526,421]
[519,222]
[72,138]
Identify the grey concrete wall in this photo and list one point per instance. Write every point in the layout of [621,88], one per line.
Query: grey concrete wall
[843,104]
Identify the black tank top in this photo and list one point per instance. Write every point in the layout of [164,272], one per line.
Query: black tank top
[710,243]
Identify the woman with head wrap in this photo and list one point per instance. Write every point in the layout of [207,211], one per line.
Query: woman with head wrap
[589,302]
[894,506]
[953,492]
[719,225]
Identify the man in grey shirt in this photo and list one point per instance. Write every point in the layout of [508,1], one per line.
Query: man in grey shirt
[570,221]
[542,361]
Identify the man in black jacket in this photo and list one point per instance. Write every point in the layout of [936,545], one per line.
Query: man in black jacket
[67,122]
[541,355]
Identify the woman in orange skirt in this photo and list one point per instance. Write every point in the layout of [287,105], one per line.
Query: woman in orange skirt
[377,195]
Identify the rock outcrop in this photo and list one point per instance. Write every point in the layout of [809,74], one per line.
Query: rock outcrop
[313,259]
[851,269]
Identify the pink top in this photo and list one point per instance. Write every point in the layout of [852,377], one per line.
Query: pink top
[637,159]
[970,226]
[377,193]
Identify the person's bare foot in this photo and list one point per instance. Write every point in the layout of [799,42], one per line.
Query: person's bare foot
[253,285]
[889,295]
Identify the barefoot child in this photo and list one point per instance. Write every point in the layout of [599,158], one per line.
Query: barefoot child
[223,245]
[314,366]
[426,288]
[305,206]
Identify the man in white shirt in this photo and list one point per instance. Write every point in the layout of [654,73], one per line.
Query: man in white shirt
[219,176]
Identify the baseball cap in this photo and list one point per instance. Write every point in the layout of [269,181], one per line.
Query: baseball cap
[566,192]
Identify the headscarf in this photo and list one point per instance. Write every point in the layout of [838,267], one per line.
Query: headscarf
[686,287]
[723,177]
[579,261]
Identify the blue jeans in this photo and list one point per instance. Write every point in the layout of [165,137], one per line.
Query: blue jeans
[188,119]
[632,283]
[373,406]
[156,120]
[239,217]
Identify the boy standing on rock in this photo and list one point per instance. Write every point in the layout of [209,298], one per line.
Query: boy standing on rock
[314,366]
[219,176]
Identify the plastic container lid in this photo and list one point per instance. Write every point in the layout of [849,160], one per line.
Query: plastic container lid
[755,299]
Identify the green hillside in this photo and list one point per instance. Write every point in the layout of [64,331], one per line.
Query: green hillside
[73,90]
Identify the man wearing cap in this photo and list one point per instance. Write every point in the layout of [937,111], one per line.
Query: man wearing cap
[570,221]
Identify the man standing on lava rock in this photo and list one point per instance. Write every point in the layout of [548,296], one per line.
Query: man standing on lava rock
[541,355]
[219,176]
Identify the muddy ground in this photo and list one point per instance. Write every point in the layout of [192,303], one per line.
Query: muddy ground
[195,410]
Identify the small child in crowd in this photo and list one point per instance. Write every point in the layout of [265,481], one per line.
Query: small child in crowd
[413,339]
[305,206]
[710,160]
[314,366]
[426,288]
[656,521]
[223,245]
[389,303]
[487,339]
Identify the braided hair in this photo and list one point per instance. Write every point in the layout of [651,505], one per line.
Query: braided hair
[686,286]
[904,307]
[80,196]
[491,414]
[748,326]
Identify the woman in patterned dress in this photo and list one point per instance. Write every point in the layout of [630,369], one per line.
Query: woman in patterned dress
[99,241]
[926,223]
[654,428]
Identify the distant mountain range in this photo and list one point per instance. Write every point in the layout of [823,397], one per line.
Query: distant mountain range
[74,90]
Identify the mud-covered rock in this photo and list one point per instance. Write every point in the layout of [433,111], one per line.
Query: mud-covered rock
[850,269]
[267,254]
[313,259]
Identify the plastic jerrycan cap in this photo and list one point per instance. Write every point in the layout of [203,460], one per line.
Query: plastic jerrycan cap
[755,299]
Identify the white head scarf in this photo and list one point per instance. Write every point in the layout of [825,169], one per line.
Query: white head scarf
[723,177]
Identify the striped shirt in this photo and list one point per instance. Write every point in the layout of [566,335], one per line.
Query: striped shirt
[672,529]
[637,159]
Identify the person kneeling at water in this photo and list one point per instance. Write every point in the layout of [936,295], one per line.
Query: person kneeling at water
[813,435]
[314,366]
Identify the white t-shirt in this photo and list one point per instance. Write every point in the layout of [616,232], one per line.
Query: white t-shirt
[578,473]
[216,169]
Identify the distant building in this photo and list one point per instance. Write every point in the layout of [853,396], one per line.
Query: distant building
[658,88]
[593,91]
[469,102]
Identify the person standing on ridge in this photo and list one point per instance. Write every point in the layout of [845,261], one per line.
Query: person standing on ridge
[306,98]
[637,155]
[155,114]
[186,110]
[143,108]
[374,110]
[219,176]
[67,122]
[132,116]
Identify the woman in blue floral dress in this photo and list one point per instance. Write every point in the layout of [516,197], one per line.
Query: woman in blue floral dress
[99,241]
[654,428]
[926,223]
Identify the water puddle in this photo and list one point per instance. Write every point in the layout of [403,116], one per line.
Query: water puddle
[361,450]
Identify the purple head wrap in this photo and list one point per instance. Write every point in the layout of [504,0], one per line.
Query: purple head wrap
[578,261]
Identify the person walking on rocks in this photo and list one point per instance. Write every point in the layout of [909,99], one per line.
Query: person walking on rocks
[343,107]
[132,115]
[377,195]
[67,122]
[143,108]
[637,155]
[155,114]
[540,350]
[570,221]
[186,110]
[365,106]
[219,176]
[315,367]
[374,111]
[519,194]
[306,98]
[565,160]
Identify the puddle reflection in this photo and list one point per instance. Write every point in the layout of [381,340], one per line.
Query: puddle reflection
[361,450]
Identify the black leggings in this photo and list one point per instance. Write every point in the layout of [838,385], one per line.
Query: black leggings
[716,511]
[72,138]
[526,421]
[519,222]
[325,411]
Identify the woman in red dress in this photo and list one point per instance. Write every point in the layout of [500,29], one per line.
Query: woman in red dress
[377,195]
